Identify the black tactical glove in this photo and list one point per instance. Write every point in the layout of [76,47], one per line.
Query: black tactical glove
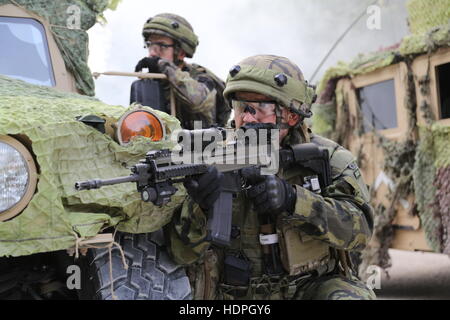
[273,196]
[205,189]
[148,62]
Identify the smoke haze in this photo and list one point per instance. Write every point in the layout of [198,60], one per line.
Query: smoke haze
[229,31]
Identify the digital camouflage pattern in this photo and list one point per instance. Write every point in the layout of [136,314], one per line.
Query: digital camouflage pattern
[197,93]
[342,220]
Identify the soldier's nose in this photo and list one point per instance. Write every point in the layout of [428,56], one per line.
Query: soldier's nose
[153,53]
[249,118]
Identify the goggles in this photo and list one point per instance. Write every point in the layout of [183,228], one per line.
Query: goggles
[158,45]
[258,109]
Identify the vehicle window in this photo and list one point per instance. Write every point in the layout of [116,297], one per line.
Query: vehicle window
[24,51]
[379,106]
[443,74]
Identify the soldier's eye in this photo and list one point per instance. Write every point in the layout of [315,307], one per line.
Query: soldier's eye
[248,108]
[161,45]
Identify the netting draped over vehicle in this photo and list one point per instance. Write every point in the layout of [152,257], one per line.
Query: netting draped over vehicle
[69,20]
[419,164]
[424,15]
[432,184]
[68,151]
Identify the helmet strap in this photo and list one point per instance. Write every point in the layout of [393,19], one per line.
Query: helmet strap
[278,113]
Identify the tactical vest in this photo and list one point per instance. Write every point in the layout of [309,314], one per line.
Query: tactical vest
[300,254]
[239,272]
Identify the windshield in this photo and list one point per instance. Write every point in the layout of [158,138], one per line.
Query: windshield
[24,51]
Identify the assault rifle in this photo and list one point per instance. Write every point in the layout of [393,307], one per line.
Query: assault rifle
[156,175]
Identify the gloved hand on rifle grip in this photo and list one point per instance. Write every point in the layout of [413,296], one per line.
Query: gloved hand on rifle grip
[273,196]
[148,62]
[205,188]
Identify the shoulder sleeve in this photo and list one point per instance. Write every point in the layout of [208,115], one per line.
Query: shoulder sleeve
[196,89]
[342,216]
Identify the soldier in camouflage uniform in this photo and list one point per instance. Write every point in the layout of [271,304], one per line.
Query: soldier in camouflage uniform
[170,38]
[311,234]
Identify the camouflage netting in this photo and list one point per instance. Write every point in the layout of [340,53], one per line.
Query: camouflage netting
[429,34]
[406,162]
[424,15]
[68,151]
[73,43]
[362,64]
[432,183]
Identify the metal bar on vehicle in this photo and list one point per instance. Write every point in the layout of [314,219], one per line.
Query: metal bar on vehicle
[141,75]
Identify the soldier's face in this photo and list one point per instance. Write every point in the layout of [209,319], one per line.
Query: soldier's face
[160,46]
[250,107]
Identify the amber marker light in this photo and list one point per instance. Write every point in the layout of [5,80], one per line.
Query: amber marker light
[140,123]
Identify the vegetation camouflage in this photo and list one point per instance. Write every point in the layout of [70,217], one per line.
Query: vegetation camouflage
[418,165]
[72,43]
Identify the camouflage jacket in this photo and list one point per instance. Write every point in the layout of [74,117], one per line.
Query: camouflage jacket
[341,219]
[195,93]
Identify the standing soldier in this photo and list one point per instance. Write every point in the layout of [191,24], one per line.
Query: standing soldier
[312,233]
[169,39]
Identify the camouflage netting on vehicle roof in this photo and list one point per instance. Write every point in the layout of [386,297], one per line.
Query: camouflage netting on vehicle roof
[68,151]
[73,43]
[412,167]
[363,63]
[426,42]
[432,184]
[434,38]
[426,14]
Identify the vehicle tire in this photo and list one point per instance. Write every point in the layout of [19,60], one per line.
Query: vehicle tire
[151,274]
[9,281]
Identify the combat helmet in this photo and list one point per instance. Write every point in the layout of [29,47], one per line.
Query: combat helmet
[273,76]
[175,27]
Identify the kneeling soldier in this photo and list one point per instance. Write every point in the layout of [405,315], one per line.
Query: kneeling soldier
[288,240]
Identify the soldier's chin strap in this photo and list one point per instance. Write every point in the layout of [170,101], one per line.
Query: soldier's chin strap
[284,125]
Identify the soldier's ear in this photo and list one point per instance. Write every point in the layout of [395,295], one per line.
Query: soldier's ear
[181,55]
[293,119]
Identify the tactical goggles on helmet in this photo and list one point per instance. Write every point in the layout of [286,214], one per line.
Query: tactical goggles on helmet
[258,109]
[158,45]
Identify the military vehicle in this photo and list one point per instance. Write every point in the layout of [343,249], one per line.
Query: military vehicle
[391,108]
[54,133]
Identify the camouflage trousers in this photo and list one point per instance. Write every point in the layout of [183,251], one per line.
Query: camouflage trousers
[327,287]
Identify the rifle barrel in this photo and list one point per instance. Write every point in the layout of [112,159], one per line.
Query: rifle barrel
[98,183]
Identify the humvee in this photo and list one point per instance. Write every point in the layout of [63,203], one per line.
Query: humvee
[54,133]
[391,108]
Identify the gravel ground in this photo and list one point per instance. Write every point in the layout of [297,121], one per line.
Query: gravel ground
[416,276]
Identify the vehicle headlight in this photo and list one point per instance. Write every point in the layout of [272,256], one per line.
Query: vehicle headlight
[140,123]
[18,177]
